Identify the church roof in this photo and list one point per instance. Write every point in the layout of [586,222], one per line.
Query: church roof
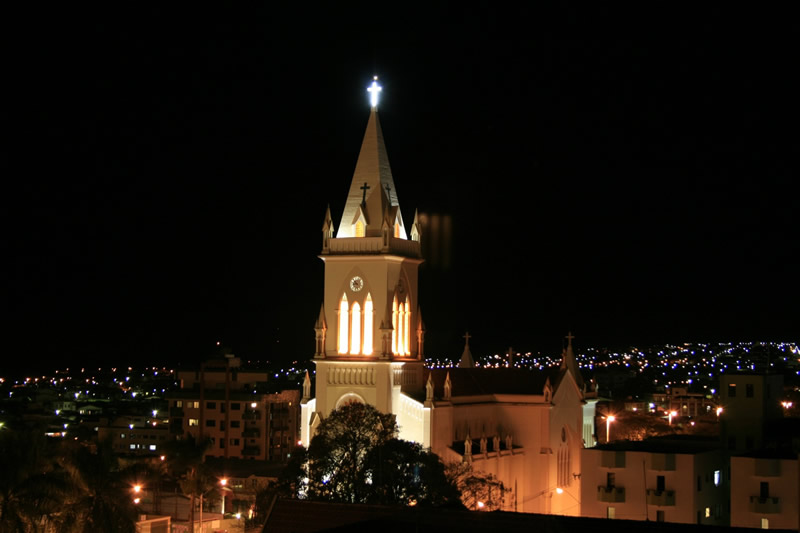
[372,188]
[484,381]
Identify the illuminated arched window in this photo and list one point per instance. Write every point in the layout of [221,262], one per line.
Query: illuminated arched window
[394,324]
[344,323]
[355,329]
[396,230]
[367,350]
[359,229]
[407,329]
[401,329]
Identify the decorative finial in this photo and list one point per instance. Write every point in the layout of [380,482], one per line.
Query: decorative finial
[373,91]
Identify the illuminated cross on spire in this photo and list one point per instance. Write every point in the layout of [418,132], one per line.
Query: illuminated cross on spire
[373,91]
[468,337]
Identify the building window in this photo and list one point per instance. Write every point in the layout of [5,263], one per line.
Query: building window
[221,443]
[717,478]
[611,479]
[222,425]
[152,447]
[194,422]
[708,512]
[234,442]
[660,516]
[764,490]
[765,523]
[193,405]
[367,349]
[355,329]
[133,446]
[699,483]
[178,403]
[732,390]
[211,423]
[611,512]
[235,424]
[211,405]
[359,229]
[748,390]
[660,484]
[236,406]
[344,324]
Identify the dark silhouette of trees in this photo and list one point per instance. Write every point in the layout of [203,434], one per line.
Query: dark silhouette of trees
[355,457]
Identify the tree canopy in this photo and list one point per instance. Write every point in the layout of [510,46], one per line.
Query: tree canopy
[356,457]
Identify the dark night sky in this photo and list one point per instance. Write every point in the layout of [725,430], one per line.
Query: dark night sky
[626,175]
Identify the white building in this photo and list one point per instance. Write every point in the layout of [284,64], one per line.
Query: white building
[765,491]
[525,427]
[673,479]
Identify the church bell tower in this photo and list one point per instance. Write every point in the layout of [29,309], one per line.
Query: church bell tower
[369,333]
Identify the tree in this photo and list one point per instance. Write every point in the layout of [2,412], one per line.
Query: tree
[401,472]
[185,458]
[479,490]
[355,457]
[35,488]
[338,452]
[103,500]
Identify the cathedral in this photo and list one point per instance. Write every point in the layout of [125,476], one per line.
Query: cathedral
[526,427]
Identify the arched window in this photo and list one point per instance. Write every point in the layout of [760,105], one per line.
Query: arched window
[344,323]
[355,329]
[401,334]
[396,230]
[407,329]
[367,350]
[359,229]
[394,324]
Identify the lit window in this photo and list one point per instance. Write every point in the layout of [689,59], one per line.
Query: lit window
[133,446]
[367,350]
[394,325]
[355,329]
[396,230]
[407,330]
[708,512]
[344,319]
[359,229]
[717,478]
[152,447]
[194,422]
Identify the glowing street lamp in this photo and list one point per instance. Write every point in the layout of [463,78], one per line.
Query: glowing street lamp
[719,411]
[223,482]
[609,419]
[671,415]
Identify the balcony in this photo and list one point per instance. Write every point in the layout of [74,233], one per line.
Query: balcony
[765,505]
[251,415]
[610,494]
[251,450]
[176,411]
[251,432]
[661,497]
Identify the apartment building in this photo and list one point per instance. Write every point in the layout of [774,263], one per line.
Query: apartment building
[674,479]
[765,491]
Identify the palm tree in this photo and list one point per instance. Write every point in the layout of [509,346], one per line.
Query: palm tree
[34,485]
[185,458]
[104,500]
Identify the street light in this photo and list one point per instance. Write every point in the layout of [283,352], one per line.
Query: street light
[609,419]
[671,415]
[223,482]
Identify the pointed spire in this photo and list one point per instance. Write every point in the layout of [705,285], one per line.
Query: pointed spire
[466,358]
[306,388]
[327,231]
[569,362]
[372,185]
[416,231]
[429,391]
[448,387]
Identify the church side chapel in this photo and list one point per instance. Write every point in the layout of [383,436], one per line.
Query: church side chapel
[525,427]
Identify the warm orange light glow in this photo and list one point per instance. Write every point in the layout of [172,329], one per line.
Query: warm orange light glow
[394,324]
[355,329]
[407,329]
[137,488]
[344,323]
[359,229]
[367,349]
[223,482]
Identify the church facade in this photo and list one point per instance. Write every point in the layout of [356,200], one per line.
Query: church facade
[526,427]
